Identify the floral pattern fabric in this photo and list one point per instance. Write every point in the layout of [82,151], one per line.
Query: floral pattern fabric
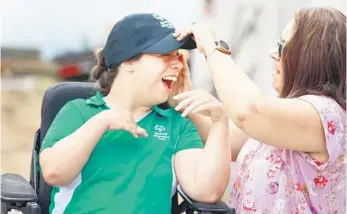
[281,181]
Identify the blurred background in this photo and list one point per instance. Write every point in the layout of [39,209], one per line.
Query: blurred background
[47,41]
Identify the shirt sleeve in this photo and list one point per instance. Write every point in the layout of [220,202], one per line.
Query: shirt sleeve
[68,120]
[333,121]
[189,137]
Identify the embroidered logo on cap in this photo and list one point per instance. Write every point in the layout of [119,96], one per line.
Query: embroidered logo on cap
[163,22]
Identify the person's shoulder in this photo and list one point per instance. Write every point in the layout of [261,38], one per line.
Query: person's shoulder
[323,103]
[76,103]
[332,115]
[79,106]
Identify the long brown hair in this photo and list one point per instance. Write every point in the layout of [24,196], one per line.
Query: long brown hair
[314,59]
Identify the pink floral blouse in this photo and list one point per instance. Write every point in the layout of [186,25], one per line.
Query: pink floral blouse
[276,181]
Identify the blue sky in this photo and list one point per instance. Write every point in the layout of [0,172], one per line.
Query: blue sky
[56,26]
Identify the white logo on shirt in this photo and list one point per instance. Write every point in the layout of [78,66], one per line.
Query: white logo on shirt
[160,132]
[163,21]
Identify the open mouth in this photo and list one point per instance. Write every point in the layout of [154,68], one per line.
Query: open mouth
[168,82]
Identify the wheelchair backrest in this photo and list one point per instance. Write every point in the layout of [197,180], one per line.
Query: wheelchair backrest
[54,99]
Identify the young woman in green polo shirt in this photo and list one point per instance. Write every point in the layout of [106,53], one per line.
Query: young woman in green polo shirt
[118,152]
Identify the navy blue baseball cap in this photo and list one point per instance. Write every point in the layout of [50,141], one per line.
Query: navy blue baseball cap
[141,33]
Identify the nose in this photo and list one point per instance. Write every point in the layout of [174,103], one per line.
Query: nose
[176,64]
[274,55]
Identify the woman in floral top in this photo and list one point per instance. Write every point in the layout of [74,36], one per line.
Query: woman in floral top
[293,147]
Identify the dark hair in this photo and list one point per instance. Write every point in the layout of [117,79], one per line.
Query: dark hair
[314,59]
[103,75]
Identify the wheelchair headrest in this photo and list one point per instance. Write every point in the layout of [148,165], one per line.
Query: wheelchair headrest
[57,96]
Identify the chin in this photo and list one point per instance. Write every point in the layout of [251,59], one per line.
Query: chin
[159,100]
[277,88]
[276,85]
[164,99]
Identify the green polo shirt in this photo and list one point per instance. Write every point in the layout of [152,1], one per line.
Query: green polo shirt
[124,174]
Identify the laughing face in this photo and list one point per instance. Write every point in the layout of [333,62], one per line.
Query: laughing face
[276,54]
[154,76]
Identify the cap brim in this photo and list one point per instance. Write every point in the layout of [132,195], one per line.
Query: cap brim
[170,43]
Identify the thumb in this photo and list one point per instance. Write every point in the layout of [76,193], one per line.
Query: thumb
[187,83]
[141,132]
[183,60]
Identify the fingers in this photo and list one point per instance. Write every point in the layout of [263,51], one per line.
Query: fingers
[183,104]
[183,60]
[141,132]
[176,34]
[191,100]
[197,101]
[203,107]
[135,130]
[185,76]
[187,83]
[193,106]
[201,33]
[183,95]
[131,126]
[181,34]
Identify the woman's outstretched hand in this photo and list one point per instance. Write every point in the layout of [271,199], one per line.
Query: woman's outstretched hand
[202,34]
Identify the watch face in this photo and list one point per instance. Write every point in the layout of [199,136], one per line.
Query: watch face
[224,45]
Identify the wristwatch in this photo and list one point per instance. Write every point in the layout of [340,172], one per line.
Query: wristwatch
[220,46]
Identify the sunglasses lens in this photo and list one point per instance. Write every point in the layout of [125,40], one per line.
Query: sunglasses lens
[280,47]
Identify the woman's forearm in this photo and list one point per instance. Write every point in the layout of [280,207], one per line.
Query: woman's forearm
[61,163]
[236,90]
[213,171]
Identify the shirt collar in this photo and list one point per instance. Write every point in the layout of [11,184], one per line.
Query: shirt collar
[163,112]
[97,100]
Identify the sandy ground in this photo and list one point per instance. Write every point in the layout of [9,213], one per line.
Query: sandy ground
[20,118]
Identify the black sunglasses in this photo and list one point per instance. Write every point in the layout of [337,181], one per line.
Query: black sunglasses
[280,45]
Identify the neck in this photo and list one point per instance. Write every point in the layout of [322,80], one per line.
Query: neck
[122,97]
